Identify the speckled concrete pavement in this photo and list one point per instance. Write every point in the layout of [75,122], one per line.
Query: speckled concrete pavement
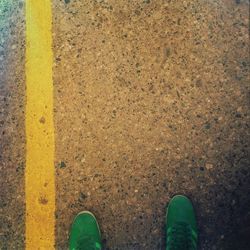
[12,132]
[151,100]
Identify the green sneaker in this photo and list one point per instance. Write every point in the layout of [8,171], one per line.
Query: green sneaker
[85,233]
[181,225]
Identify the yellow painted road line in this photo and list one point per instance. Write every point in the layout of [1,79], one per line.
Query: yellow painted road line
[39,172]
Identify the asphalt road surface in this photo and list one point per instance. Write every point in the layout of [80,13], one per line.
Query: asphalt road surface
[151,99]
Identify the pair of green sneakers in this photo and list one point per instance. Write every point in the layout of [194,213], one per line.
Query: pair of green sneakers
[181,228]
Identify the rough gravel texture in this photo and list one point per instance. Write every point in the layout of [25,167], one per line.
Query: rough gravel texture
[12,133]
[152,100]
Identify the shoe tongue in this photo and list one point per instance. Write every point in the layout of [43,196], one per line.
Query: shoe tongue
[88,243]
[178,236]
[184,236]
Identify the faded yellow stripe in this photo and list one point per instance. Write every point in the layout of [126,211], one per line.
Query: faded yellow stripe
[39,173]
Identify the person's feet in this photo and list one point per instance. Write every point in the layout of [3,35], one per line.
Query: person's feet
[85,233]
[181,228]
[181,225]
